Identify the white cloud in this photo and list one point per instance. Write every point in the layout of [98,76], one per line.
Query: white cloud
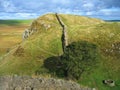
[61,1]
[110,11]
[89,13]
[8,6]
[88,5]
[18,15]
[25,15]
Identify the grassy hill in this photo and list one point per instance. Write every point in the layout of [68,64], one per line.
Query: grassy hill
[29,56]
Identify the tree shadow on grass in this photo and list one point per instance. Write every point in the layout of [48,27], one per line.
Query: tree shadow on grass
[53,64]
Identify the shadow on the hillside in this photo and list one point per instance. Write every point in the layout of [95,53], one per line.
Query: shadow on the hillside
[53,65]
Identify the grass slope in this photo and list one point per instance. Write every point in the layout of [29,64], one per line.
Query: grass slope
[46,42]
[11,33]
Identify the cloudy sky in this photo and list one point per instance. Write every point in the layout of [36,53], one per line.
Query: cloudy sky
[26,9]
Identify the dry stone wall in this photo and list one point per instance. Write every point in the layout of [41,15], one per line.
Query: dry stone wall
[29,83]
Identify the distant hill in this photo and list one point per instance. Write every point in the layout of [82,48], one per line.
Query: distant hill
[14,22]
[28,57]
[112,20]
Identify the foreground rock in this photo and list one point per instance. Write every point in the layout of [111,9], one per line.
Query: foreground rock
[29,83]
[109,82]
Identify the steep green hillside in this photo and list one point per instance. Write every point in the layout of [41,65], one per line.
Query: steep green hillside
[29,57]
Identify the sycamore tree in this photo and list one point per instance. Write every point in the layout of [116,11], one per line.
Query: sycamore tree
[78,58]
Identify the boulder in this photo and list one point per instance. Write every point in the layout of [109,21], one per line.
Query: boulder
[109,82]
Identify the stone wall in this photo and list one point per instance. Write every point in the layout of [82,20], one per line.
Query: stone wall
[29,83]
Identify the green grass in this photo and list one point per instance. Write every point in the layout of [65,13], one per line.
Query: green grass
[102,72]
[46,43]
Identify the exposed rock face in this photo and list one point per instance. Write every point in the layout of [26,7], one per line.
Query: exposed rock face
[26,34]
[29,83]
